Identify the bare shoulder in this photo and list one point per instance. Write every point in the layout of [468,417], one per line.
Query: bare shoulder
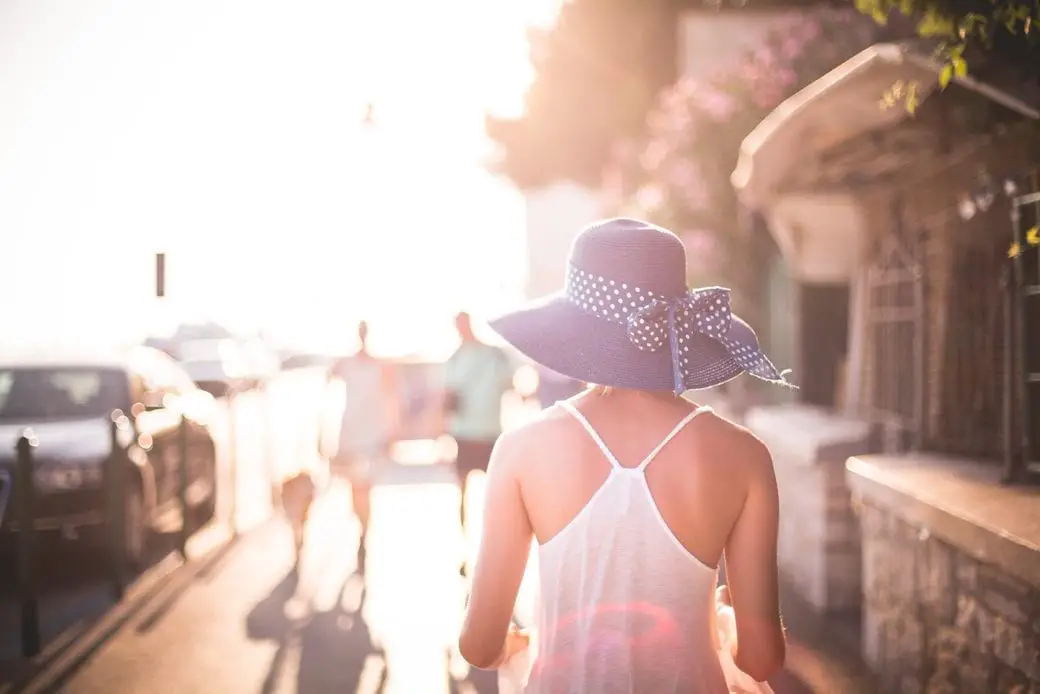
[736,443]
[524,443]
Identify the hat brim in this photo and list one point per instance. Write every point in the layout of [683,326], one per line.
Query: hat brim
[557,334]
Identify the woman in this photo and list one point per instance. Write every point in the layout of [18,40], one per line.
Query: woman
[633,493]
[367,426]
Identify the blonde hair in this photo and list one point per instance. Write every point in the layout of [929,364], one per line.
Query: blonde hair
[596,389]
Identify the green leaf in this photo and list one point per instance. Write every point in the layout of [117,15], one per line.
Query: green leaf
[945,76]
[912,99]
[934,24]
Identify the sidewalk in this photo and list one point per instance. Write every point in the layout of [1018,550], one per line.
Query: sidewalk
[247,625]
[236,620]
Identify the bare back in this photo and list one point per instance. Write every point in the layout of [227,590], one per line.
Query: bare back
[712,485]
[633,499]
[699,482]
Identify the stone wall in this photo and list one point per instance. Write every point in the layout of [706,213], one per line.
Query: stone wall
[937,621]
[819,547]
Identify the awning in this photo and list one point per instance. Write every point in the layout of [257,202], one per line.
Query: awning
[838,107]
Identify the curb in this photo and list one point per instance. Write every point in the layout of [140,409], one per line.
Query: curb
[159,585]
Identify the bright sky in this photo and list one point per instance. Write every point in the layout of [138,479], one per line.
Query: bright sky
[228,133]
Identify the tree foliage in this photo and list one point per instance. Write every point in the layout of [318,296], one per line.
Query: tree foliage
[997,34]
[597,72]
[679,174]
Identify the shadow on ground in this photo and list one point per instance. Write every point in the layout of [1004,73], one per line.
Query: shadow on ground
[336,652]
[478,681]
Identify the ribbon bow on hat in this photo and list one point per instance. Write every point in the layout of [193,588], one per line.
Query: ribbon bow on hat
[706,311]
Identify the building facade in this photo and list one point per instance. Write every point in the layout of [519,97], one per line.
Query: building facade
[906,503]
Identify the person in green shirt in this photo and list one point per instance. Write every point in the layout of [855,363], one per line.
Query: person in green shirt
[476,377]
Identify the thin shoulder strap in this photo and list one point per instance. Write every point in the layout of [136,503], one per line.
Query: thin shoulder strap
[569,406]
[678,427]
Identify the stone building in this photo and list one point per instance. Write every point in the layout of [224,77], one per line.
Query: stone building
[907,507]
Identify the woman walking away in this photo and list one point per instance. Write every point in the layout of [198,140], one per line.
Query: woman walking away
[633,493]
[367,426]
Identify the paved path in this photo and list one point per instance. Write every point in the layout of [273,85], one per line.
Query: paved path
[249,625]
[235,618]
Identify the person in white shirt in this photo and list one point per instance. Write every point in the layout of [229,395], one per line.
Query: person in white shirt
[367,426]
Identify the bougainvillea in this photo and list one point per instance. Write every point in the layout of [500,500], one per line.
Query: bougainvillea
[680,175]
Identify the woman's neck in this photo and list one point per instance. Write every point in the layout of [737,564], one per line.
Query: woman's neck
[632,395]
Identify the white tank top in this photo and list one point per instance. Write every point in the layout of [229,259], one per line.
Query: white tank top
[364,425]
[625,608]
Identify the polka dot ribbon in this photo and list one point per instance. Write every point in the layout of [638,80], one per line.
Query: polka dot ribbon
[654,321]
[665,322]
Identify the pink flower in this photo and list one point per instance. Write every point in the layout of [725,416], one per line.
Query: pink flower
[687,180]
[649,197]
[810,30]
[702,250]
[717,104]
[654,154]
[785,78]
[750,71]
[768,96]
[764,57]
[792,47]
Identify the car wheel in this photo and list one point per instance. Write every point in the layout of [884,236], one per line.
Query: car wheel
[136,531]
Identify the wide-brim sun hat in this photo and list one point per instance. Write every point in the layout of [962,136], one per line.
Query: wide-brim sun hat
[626,319]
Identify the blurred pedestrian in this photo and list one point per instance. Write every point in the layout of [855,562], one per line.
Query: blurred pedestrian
[632,491]
[476,377]
[367,426]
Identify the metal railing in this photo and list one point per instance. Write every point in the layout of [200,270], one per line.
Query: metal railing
[115,478]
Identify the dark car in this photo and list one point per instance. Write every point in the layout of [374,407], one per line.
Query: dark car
[68,403]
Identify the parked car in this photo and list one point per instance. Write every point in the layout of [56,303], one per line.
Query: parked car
[262,362]
[216,365]
[68,401]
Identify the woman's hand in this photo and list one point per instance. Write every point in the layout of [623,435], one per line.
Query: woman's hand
[517,641]
[725,620]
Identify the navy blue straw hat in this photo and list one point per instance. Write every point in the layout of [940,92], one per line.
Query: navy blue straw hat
[626,319]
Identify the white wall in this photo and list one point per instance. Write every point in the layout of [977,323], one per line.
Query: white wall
[555,215]
[823,237]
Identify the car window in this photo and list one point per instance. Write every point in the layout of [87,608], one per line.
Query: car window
[59,392]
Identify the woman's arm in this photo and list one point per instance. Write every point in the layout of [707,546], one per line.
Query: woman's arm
[751,568]
[504,548]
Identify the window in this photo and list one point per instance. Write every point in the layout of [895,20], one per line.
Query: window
[895,334]
[1024,399]
[59,393]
